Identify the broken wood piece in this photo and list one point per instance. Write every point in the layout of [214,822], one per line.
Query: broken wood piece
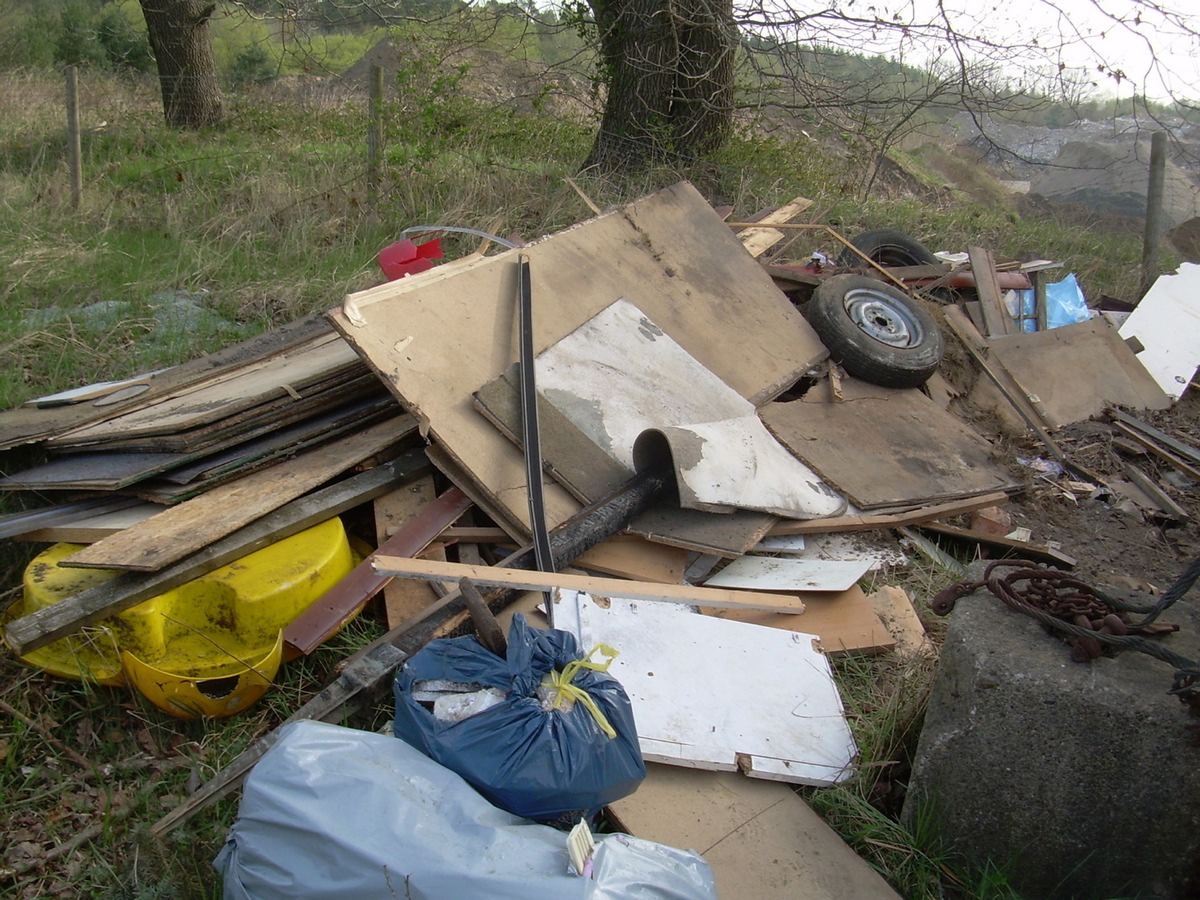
[611,587]
[1182,449]
[995,315]
[1161,500]
[1001,547]
[68,616]
[895,609]
[843,622]
[187,528]
[487,629]
[403,598]
[758,237]
[761,839]
[1147,442]
[891,520]
[331,611]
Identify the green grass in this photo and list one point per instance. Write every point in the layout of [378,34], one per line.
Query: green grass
[255,224]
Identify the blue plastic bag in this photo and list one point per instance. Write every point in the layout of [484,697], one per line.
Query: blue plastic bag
[551,765]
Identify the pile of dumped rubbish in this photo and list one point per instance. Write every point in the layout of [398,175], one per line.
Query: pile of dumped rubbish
[612,473]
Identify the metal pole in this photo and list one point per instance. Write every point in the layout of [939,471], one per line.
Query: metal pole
[1154,210]
[74,150]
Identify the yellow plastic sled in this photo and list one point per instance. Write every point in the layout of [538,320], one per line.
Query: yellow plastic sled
[210,647]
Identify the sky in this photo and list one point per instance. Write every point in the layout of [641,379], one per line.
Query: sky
[1154,46]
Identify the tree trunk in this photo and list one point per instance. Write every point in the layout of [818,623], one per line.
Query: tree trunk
[668,67]
[638,48]
[187,71]
[702,115]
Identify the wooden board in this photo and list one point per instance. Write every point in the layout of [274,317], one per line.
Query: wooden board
[190,526]
[436,337]
[89,529]
[995,316]
[637,559]
[403,597]
[1103,371]
[719,694]
[528,580]
[27,424]
[885,447]
[895,609]
[844,623]
[761,839]
[776,573]
[759,238]
[298,368]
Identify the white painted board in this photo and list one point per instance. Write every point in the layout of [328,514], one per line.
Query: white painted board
[619,376]
[782,573]
[719,694]
[1167,324]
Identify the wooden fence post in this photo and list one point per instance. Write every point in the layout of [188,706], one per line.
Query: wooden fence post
[1154,210]
[74,150]
[374,135]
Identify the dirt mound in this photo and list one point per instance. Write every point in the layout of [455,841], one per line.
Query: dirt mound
[1114,178]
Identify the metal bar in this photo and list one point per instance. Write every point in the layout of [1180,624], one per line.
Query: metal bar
[530,434]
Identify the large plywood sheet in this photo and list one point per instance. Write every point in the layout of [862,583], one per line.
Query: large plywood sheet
[1100,369]
[437,337]
[885,447]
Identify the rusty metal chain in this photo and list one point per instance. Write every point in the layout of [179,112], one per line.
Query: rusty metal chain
[1085,618]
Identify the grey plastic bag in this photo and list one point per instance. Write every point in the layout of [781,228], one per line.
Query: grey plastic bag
[332,812]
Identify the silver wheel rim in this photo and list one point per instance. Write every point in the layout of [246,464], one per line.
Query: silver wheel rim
[883,318]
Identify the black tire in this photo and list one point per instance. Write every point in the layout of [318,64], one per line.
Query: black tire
[887,248]
[877,332]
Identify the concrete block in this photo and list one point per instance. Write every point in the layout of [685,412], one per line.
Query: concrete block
[1076,779]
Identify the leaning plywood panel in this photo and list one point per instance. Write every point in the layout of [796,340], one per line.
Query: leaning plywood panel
[1103,371]
[719,694]
[886,447]
[437,337]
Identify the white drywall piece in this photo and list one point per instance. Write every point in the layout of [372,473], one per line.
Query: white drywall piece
[719,694]
[1167,324]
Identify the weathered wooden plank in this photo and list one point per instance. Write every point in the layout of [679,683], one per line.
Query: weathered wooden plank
[995,316]
[544,581]
[68,616]
[332,610]
[184,529]
[25,425]
[891,520]
[403,598]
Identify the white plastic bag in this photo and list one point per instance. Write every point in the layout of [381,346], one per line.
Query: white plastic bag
[332,812]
